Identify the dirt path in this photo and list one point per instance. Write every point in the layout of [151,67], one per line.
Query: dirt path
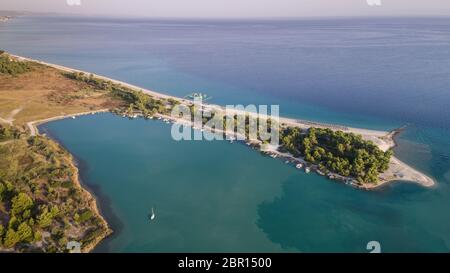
[10,119]
[32,124]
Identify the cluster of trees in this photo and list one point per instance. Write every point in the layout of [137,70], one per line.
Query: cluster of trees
[139,101]
[136,100]
[149,105]
[96,83]
[7,133]
[38,194]
[21,221]
[241,123]
[344,153]
[26,218]
[12,67]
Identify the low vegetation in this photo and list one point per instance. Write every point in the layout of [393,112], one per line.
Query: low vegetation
[13,67]
[8,133]
[134,100]
[42,206]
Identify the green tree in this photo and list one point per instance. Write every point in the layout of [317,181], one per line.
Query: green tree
[13,67]
[45,218]
[2,230]
[86,215]
[347,154]
[11,238]
[25,233]
[2,191]
[21,203]
[37,236]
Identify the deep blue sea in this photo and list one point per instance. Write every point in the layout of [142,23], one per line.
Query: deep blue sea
[378,73]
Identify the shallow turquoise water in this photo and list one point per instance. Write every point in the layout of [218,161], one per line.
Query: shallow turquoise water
[205,194]
[217,196]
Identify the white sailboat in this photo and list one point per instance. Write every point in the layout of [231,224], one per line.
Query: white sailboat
[152,216]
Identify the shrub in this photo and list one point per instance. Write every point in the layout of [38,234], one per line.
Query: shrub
[11,238]
[11,67]
[21,203]
[25,232]
[85,216]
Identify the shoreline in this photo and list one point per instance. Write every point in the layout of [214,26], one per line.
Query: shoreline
[97,200]
[383,139]
[289,121]
[33,125]
[93,205]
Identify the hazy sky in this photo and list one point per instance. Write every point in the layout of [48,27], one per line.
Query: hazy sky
[233,8]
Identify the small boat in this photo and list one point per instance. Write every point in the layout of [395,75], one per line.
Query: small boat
[73,117]
[299,166]
[307,170]
[152,215]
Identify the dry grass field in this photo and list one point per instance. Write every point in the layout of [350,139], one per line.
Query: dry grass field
[45,92]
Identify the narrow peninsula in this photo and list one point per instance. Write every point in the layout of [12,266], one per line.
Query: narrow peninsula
[42,202]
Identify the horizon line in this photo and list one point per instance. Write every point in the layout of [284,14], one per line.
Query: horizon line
[249,18]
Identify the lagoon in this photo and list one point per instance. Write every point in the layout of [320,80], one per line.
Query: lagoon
[217,196]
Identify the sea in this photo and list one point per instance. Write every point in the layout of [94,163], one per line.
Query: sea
[213,196]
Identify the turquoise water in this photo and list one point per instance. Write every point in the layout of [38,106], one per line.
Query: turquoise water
[217,196]
[213,196]
[205,194]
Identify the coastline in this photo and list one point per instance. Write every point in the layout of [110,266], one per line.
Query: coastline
[289,121]
[93,205]
[385,140]
[33,125]
[95,198]
[398,170]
